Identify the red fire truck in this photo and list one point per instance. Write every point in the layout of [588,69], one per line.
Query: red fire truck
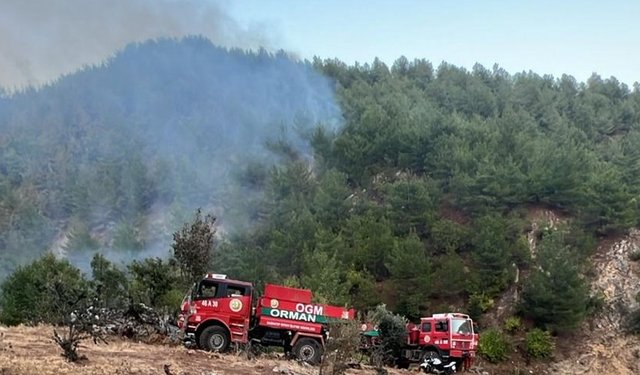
[447,336]
[219,311]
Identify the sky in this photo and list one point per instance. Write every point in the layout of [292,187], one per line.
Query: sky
[547,37]
[42,39]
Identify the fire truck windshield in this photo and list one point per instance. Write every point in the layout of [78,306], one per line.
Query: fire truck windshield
[461,326]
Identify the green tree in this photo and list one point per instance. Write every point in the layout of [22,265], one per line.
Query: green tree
[412,205]
[80,239]
[42,291]
[411,273]
[153,279]
[492,256]
[450,275]
[370,242]
[109,283]
[556,294]
[362,290]
[322,274]
[127,237]
[193,246]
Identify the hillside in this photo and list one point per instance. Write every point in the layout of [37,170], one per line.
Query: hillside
[601,344]
[410,185]
[126,149]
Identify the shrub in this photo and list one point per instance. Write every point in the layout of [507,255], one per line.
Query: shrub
[634,256]
[392,328]
[478,304]
[41,291]
[341,347]
[539,343]
[493,346]
[153,278]
[513,324]
[172,299]
[81,324]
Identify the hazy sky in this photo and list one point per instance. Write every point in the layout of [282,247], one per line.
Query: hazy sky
[41,39]
[547,37]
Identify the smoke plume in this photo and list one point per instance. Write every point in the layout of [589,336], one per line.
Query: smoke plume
[158,123]
[42,39]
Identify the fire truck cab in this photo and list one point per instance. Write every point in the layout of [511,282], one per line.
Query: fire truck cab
[449,335]
[216,312]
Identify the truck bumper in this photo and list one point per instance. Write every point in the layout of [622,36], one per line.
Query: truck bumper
[462,353]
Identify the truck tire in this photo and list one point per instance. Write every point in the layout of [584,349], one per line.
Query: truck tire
[429,353]
[308,350]
[214,338]
[403,363]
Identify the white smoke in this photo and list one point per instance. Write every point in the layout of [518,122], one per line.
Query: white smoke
[42,39]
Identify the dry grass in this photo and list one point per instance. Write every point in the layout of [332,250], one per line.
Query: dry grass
[32,351]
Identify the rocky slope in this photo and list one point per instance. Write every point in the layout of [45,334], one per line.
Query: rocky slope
[601,346]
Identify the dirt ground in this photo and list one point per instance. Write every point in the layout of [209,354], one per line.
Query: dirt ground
[32,351]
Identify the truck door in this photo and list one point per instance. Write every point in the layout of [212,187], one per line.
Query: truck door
[236,304]
[442,333]
[426,334]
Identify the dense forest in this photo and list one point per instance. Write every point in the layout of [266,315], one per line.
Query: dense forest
[406,184]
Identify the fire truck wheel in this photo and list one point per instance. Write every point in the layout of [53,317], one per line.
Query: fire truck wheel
[308,350]
[214,338]
[428,353]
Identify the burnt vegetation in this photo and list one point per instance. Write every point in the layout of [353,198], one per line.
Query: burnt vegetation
[418,201]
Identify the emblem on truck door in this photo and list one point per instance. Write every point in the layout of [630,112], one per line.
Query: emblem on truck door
[235,305]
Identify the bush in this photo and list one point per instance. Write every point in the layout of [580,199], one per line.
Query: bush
[493,346]
[634,256]
[172,299]
[479,304]
[539,343]
[41,291]
[513,324]
[81,326]
[341,347]
[153,278]
[109,284]
[392,328]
